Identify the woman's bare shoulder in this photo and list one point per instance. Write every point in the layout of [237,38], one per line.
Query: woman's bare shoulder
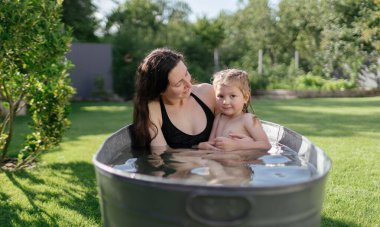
[203,88]
[154,111]
[153,105]
[206,93]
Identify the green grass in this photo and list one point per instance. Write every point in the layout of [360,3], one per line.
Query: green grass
[61,190]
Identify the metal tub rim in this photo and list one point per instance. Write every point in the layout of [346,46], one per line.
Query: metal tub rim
[166,182]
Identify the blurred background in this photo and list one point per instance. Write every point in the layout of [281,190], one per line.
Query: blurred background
[330,45]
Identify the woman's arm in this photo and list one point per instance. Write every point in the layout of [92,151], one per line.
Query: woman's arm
[155,129]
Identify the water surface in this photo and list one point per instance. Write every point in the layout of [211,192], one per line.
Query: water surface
[278,166]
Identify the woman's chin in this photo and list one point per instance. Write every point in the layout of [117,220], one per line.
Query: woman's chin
[187,93]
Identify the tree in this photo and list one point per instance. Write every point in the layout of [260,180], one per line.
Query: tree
[138,26]
[350,36]
[80,16]
[33,69]
[248,30]
[211,33]
[300,24]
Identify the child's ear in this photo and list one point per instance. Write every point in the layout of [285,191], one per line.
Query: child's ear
[246,98]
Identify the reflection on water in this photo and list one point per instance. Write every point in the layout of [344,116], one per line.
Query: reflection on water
[278,166]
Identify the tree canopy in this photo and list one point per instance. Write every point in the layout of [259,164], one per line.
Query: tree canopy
[80,16]
[327,40]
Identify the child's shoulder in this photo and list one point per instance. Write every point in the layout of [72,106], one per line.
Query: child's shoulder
[250,117]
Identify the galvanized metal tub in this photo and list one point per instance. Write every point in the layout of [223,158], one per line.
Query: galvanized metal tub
[130,199]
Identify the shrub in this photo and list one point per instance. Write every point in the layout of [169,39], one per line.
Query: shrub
[33,69]
[309,82]
[312,82]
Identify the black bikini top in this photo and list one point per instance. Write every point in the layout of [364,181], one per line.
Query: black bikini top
[175,138]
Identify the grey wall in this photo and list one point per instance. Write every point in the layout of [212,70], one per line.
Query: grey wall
[91,60]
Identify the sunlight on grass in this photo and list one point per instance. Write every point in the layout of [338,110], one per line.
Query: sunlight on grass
[106,108]
[336,110]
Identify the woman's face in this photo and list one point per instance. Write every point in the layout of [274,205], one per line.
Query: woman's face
[179,82]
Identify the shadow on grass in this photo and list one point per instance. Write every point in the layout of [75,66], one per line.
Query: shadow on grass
[68,187]
[10,212]
[329,222]
[7,211]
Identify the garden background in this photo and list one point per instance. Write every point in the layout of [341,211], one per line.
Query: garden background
[327,45]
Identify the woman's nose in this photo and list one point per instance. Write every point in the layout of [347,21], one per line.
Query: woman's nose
[188,82]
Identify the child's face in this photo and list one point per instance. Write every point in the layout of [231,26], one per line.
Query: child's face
[230,99]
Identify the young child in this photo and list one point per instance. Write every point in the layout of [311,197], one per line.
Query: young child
[233,96]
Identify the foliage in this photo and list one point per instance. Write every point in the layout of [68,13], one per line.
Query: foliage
[80,16]
[334,38]
[311,82]
[211,33]
[138,26]
[247,31]
[33,69]
[100,91]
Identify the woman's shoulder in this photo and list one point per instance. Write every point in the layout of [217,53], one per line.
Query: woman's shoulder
[155,111]
[206,93]
[203,88]
[154,104]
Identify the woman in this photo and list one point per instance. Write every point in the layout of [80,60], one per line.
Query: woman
[171,111]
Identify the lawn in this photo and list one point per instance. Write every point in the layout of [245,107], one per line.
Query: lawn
[61,190]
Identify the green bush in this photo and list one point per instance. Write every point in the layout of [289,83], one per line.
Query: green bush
[339,84]
[312,82]
[33,70]
[309,82]
[257,81]
[279,76]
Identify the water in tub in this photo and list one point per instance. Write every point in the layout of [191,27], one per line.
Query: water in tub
[278,166]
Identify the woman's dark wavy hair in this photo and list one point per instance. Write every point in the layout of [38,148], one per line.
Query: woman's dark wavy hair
[151,81]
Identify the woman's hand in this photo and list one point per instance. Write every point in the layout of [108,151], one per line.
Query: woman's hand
[234,141]
[207,146]
[246,142]
[225,143]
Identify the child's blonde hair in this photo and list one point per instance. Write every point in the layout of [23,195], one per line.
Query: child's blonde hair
[237,77]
